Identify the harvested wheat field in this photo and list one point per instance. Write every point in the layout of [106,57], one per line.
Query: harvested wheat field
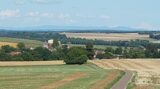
[147,70]
[108,36]
[30,63]
[8,43]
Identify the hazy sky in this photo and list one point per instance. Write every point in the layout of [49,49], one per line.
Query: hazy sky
[131,13]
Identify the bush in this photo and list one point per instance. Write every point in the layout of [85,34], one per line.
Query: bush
[4,56]
[57,55]
[107,55]
[17,58]
[7,49]
[27,56]
[100,56]
[41,53]
[76,55]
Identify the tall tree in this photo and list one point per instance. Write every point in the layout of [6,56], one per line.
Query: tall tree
[151,51]
[110,50]
[55,43]
[7,49]
[90,50]
[76,55]
[41,53]
[119,51]
[21,46]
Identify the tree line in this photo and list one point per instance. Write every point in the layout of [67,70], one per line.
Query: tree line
[43,36]
[150,51]
[155,36]
[75,55]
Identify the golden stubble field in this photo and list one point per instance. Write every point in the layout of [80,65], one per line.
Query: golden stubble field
[147,70]
[108,36]
[30,63]
[8,43]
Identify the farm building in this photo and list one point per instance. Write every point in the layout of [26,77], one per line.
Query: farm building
[48,44]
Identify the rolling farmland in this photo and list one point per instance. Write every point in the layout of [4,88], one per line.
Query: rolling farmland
[147,71]
[14,41]
[55,75]
[108,36]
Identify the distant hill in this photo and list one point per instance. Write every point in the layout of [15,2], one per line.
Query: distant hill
[70,28]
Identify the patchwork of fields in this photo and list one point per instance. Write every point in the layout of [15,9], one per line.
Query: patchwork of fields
[148,70]
[108,36]
[50,76]
[8,43]
[14,41]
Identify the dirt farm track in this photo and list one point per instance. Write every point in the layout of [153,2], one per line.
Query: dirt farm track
[147,70]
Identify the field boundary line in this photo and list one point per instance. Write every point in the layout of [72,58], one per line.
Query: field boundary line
[64,81]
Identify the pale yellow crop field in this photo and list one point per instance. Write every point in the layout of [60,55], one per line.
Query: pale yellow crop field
[30,63]
[8,43]
[147,70]
[108,36]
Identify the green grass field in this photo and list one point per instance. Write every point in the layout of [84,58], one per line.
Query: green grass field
[34,77]
[28,43]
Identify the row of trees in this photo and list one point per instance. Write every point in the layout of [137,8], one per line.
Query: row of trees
[155,36]
[150,51]
[73,55]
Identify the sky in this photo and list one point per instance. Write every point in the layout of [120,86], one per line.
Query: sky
[107,13]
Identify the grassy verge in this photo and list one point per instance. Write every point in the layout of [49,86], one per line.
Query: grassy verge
[120,75]
[131,85]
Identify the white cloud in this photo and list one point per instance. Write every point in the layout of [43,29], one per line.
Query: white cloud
[20,2]
[9,13]
[104,17]
[40,14]
[33,14]
[47,1]
[66,18]
[41,1]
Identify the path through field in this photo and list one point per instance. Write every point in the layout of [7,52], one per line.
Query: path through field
[123,82]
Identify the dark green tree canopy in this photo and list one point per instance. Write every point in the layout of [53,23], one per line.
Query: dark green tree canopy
[21,46]
[90,50]
[55,43]
[7,49]
[76,55]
